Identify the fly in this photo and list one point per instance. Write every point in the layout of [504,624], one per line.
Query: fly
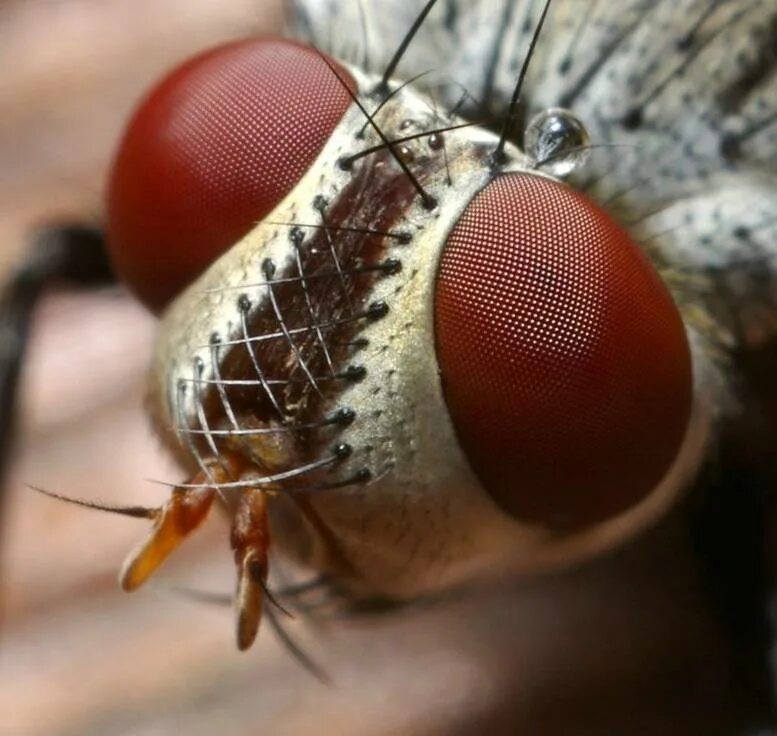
[379,377]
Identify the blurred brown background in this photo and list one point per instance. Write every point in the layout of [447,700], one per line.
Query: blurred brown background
[623,646]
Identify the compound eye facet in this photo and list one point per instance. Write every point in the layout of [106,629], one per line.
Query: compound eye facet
[564,361]
[212,150]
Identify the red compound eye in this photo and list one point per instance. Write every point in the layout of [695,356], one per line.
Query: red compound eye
[211,151]
[564,361]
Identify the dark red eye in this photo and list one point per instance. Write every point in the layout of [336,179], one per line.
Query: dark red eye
[211,151]
[564,361]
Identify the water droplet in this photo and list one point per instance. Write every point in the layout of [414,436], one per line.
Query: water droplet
[557,141]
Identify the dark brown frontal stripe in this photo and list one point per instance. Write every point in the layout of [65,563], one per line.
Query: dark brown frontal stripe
[299,349]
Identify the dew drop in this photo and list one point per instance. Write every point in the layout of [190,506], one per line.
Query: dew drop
[557,141]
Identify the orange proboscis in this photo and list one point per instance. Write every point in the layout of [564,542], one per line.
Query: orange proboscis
[250,541]
[173,522]
[186,509]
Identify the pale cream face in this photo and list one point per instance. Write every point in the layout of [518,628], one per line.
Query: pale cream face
[422,522]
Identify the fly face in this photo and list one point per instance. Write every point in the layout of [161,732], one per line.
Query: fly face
[345,348]
[430,359]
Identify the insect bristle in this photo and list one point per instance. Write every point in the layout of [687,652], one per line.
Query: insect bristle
[388,72]
[135,512]
[512,108]
[428,201]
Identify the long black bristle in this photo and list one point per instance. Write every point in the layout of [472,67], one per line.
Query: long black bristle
[382,87]
[135,512]
[294,649]
[429,201]
[348,161]
[513,106]
[394,92]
